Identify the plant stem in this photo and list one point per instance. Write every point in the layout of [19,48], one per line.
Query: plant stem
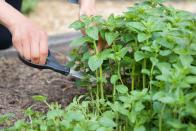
[101,83]
[143,75]
[91,93]
[114,93]
[117,121]
[31,122]
[160,118]
[47,104]
[97,76]
[97,94]
[95,46]
[133,77]
[161,115]
[151,76]
[119,74]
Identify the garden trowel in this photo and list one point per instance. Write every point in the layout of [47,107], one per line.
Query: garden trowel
[53,64]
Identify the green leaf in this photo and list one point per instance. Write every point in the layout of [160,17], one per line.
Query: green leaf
[186,60]
[55,113]
[107,122]
[142,37]
[93,125]
[103,129]
[193,70]
[75,116]
[157,106]
[191,79]
[146,48]
[29,111]
[139,55]
[167,99]
[43,127]
[154,60]
[105,54]
[109,114]
[136,25]
[95,62]
[139,106]
[93,32]
[164,67]
[165,52]
[163,42]
[80,41]
[163,97]
[78,128]
[176,124]
[140,128]
[122,89]
[39,98]
[146,71]
[113,79]
[110,37]
[77,25]
[123,52]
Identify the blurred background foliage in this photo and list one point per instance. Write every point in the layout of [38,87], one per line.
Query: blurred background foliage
[55,16]
[28,6]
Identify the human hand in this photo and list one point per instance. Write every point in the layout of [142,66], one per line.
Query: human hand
[30,41]
[87,7]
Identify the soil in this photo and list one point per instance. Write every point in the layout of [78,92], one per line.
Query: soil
[18,83]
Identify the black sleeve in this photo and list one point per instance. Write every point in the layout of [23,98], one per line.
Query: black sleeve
[15,3]
[73,1]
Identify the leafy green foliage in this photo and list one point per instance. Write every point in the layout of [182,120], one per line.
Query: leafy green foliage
[95,62]
[28,5]
[145,68]
[92,32]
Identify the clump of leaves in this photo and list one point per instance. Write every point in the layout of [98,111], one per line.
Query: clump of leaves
[144,63]
[151,49]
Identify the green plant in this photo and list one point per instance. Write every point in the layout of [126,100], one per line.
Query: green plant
[151,48]
[145,66]
[28,6]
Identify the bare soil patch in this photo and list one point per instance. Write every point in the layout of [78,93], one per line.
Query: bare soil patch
[18,83]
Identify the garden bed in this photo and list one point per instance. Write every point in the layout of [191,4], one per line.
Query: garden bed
[144,65]
[19,82]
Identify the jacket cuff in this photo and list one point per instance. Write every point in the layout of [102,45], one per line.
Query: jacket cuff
[73,1]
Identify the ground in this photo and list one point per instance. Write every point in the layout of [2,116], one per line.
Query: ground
[19,83]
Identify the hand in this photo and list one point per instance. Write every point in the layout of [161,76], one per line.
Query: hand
[87,7]
[30,40]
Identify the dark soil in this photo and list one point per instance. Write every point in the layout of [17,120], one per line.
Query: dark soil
[18,83]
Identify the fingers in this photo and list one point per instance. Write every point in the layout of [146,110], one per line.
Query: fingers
[18,45]
[26,49]
[34,45]
[31,42]
[39,48]
[43,48]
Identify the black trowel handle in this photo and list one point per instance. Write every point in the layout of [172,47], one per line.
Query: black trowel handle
[51,63]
